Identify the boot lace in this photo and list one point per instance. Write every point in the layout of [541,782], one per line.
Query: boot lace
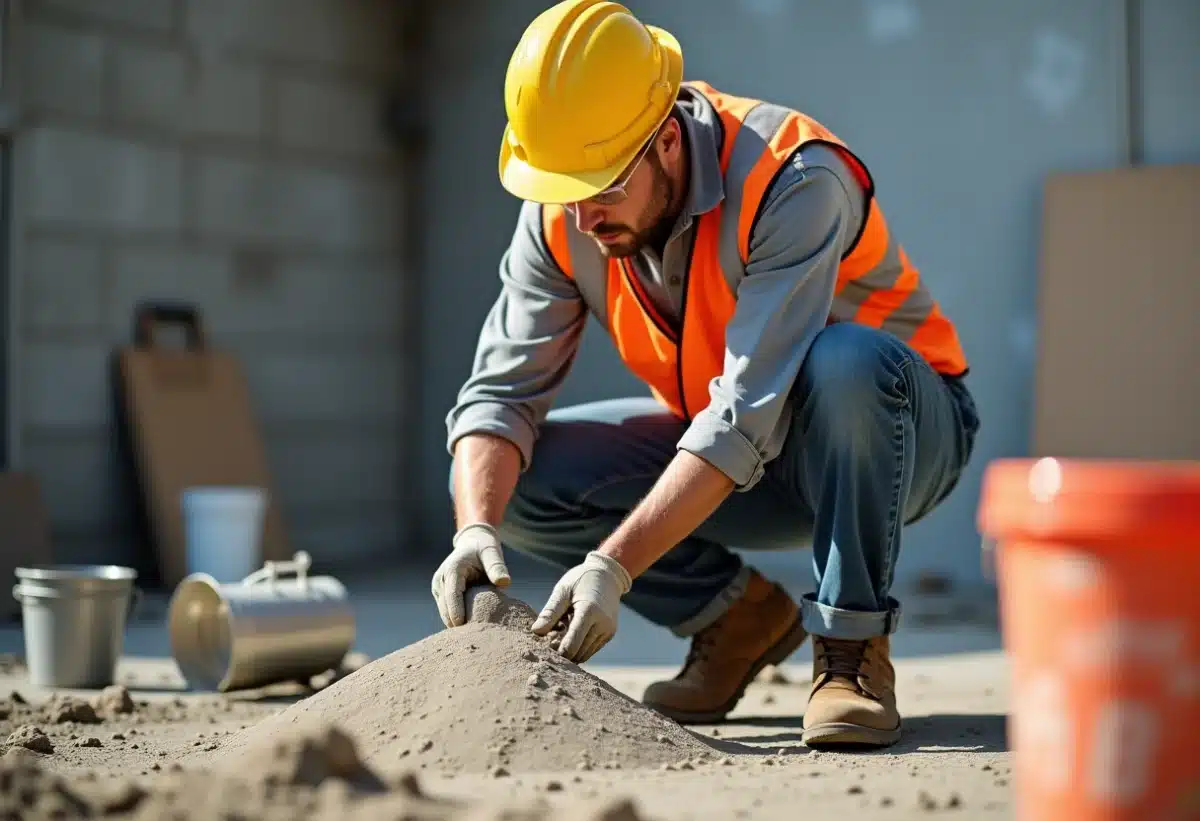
[702,645]
[843,658]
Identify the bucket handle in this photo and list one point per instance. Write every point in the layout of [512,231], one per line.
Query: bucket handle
[271,571]
[20,591]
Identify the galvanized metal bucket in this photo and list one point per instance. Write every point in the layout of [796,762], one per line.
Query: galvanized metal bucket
[74,622]
[277,624]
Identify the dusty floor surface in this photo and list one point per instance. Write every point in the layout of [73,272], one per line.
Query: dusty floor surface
[488,717]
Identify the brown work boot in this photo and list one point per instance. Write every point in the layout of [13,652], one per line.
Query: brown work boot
[760,628]
[853,698]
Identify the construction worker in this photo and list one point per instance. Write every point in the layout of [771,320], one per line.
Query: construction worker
[805,386]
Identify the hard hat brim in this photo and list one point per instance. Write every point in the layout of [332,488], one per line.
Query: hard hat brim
[534,184]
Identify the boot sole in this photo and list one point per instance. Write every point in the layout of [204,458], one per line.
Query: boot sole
[775,654]
[841,734]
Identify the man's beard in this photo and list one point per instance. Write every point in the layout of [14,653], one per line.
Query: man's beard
[654,217]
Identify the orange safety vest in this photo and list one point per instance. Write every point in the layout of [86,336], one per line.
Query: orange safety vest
[678,367]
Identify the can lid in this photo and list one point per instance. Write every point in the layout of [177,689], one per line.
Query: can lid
[1134,502]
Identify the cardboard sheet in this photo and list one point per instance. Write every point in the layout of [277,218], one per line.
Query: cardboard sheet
[1118,371]
[189,422]
[26,528]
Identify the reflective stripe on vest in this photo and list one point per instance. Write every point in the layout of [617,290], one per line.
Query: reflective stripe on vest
[876,283]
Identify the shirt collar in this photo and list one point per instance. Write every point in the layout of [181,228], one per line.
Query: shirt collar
[703,131]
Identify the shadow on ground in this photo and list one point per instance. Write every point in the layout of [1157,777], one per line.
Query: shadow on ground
[983,733]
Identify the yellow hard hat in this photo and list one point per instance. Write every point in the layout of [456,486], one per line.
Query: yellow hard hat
[587,85]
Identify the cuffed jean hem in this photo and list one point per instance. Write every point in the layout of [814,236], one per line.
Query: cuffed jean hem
[715,608]
[851,625]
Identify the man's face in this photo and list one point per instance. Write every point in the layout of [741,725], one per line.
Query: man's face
[621,229]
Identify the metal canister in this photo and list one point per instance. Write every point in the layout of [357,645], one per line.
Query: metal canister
[277,624]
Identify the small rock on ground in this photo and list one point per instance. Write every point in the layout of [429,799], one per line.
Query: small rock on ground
[31,738]
[71,709]
[114,700]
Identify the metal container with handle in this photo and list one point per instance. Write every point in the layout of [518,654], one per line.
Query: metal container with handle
[277,624]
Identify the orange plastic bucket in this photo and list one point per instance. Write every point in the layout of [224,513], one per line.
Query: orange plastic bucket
[1099,578]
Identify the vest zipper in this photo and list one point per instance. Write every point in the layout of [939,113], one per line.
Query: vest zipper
[644,301]
[683,302]
[648,309]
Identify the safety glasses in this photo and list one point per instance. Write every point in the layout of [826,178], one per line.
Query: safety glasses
[616,193]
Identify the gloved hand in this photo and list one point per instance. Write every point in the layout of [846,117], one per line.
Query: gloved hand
[477,555]
[591,592]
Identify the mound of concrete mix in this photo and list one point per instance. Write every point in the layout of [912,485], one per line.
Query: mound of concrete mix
[485,697]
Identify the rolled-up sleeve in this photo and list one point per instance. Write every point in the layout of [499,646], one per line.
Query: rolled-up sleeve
[783,301]
[526,345]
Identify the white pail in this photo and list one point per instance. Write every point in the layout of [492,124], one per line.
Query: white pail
[223,529]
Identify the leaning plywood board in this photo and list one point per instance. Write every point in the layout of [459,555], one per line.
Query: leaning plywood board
[190,423]
[1118,371]
[26,531]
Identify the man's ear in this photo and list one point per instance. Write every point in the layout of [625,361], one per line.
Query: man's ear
[671,137]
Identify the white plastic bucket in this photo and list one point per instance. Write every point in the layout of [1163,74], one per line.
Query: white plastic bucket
[223,530]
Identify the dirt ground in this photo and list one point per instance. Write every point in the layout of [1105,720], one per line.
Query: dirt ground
[952,761]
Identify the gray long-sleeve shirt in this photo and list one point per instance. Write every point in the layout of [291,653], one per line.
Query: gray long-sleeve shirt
[810,217]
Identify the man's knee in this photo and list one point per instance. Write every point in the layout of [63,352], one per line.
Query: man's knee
[851,371]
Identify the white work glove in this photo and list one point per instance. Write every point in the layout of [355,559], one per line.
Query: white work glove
[477,555]
[591,592]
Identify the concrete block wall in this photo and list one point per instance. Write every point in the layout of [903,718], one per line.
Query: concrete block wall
[229,153]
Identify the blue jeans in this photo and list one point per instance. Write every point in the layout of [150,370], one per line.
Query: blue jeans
[878,439]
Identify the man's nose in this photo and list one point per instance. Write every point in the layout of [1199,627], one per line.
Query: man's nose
[587,216]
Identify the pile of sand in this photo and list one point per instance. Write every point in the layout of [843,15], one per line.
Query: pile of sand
[485,697]
[305,778]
